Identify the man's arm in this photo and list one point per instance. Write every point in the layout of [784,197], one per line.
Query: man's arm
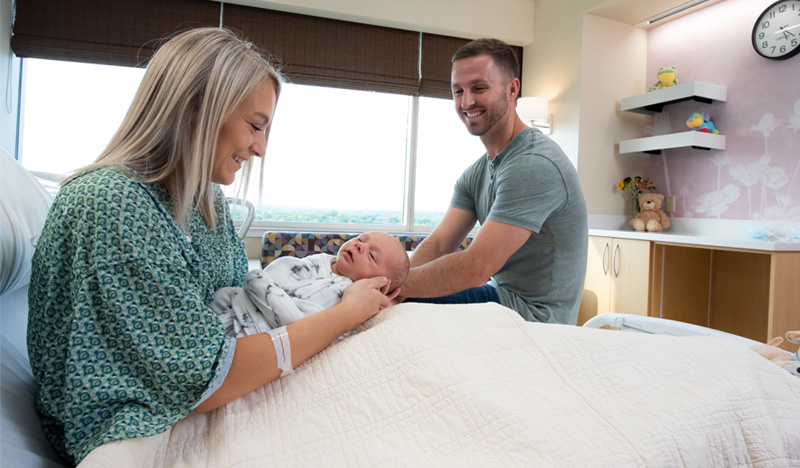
[472,267]
[446,236]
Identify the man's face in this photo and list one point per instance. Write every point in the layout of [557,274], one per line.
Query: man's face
[480,93]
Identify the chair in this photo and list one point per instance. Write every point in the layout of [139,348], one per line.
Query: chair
[248,220]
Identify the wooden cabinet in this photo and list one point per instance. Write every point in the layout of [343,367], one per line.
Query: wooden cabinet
[747,292]
[751,293]
[617,277]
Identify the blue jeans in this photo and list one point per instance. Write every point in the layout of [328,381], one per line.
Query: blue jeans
[485,293]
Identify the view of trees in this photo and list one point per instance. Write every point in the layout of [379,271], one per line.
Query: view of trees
[302,215]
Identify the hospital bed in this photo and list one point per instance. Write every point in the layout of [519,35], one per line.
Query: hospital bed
[445,386]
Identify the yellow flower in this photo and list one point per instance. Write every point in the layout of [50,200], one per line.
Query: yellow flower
[621,185]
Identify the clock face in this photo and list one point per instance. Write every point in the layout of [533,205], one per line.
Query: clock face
[776,34]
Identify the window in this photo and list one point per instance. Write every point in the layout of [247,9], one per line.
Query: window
[444,150]
[337,159]
[70,111]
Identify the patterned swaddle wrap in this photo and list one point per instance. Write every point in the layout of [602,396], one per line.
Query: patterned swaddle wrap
[287,290]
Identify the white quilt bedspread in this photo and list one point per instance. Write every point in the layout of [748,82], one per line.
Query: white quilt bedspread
[476,386]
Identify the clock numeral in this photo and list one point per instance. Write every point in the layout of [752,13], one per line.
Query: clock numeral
[776,33]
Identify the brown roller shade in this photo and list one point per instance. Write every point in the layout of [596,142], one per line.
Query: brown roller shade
[312,50]
[326,52]
[108,32]
[437,53]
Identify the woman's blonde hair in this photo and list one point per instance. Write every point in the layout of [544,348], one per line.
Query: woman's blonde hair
[169,135]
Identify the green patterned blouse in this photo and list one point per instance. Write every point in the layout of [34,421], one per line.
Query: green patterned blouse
[121,341]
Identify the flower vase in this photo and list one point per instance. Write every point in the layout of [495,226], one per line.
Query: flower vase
[636,208]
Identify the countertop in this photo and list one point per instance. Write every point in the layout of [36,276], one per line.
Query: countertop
[703,232]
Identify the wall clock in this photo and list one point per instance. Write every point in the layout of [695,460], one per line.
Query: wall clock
[776,34]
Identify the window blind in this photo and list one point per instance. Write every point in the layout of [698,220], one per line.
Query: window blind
[326,52]
[437,52]
[108,32]
[312,50]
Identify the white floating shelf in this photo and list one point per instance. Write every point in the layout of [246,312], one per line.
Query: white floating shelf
[654,101]
[654,144]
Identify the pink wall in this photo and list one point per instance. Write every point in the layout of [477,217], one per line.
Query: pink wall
[757,176]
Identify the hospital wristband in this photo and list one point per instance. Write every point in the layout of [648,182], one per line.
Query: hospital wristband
[283,350]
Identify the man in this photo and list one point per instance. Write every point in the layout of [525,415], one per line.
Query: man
[530,252]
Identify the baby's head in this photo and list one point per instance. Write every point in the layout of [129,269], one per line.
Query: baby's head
[373,254]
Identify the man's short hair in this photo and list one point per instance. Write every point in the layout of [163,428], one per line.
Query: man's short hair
[503,55]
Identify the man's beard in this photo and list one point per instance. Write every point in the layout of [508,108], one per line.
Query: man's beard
[494,114]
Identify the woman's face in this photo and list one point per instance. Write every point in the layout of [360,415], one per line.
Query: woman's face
[243,134]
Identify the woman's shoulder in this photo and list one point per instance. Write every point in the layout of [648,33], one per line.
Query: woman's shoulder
[107,176]
[107,186]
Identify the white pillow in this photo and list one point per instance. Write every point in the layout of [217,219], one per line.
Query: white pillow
[24,203]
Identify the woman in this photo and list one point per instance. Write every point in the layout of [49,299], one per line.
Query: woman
[121,341]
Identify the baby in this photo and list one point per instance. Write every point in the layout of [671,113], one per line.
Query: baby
[780,357]
[291,288]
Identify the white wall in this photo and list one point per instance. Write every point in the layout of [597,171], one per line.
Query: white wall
[9,81]
[613,64]
[584,64]
[552,67]
[509,20]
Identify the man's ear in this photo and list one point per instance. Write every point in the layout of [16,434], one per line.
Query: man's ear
[513,89]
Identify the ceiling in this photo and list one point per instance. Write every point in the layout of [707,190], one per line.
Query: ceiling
[636,12]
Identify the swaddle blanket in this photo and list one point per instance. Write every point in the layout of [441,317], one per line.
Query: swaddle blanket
[287,290]
[442,386]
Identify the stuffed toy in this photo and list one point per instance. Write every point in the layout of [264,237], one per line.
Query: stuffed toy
[667,76]
[701,122]
[650,217]
[781,357]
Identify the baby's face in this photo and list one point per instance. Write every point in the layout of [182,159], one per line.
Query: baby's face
[368,255]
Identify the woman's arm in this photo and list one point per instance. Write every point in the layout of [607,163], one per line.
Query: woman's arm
[255,363]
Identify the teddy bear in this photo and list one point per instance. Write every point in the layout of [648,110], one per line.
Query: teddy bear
[650,217]
[780,357]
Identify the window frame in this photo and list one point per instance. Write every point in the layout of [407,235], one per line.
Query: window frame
[259,227]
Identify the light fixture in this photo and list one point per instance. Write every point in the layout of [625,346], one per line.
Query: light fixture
[534,112]
[675,11]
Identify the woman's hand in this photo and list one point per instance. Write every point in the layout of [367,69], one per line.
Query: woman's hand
[366,297]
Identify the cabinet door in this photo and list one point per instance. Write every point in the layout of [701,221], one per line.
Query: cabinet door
[596,289]
[630,270]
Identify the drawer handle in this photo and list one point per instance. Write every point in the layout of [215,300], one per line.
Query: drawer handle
[605,262]
[614,260]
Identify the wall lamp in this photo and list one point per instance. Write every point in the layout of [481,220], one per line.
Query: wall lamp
[534,112]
